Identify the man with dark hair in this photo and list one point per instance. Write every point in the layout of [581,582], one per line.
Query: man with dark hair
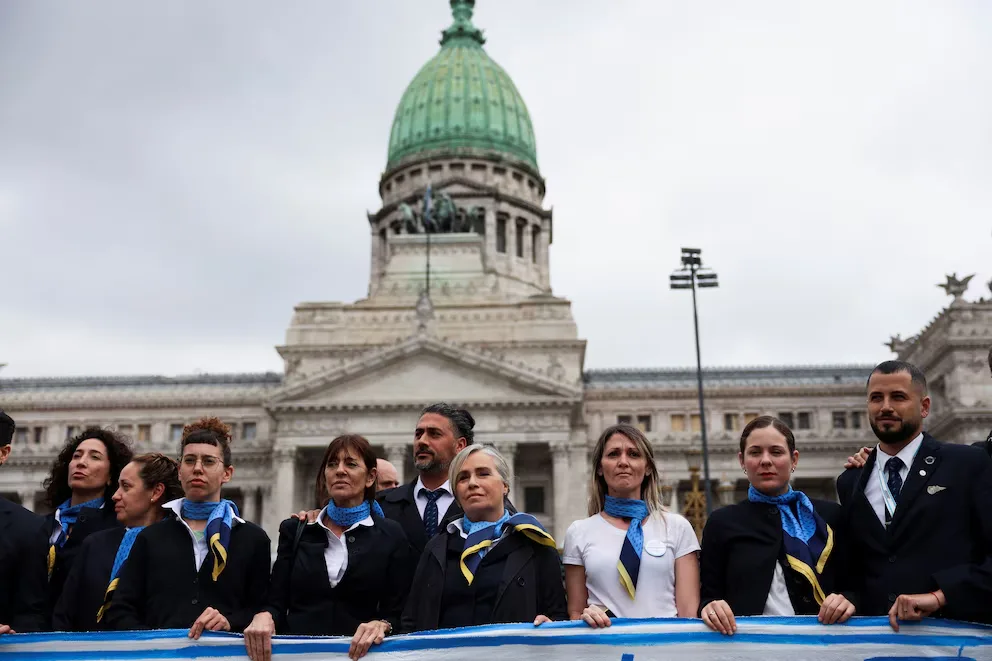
[917,512]
[23,549]
[423,505]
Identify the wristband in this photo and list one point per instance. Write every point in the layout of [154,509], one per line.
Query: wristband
[937,599]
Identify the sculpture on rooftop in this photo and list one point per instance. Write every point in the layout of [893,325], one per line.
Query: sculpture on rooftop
[956,287]
[438,214]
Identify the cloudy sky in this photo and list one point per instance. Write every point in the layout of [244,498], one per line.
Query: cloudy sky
[175,176]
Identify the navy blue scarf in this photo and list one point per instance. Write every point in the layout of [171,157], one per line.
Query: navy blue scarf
[807,538]
[219,517]
[629,564]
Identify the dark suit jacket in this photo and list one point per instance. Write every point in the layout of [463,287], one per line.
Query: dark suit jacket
[530,584]
[23,569]
[986,444]
[374,586]
[160,587]
[86,585]
[742,543]
[400,505]
[91,520]
[939,538]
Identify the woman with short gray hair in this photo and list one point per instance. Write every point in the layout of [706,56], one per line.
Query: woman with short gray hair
[488,566]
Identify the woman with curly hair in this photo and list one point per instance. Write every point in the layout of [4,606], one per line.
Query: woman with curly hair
[146,484]
[79,487]
[205,568]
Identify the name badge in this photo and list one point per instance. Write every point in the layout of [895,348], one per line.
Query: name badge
[655,548]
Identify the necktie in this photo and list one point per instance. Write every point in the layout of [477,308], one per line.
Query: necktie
[430,512]
[894,481]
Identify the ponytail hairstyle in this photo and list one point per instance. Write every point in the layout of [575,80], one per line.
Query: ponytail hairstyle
[156,468]
[210,431]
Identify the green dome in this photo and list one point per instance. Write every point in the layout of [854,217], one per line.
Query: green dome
[462,99]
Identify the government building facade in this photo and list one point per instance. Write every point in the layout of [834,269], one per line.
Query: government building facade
[481,327]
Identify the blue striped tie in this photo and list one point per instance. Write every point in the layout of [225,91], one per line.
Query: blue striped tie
[430,512]
[894,481]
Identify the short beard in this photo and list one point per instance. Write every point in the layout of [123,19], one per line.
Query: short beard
[906,431]
[434,465]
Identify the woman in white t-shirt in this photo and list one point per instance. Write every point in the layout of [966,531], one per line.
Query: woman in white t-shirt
[630,558]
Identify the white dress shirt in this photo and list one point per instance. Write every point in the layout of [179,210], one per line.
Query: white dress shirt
[443,503]
[778,601]
[199,539]
[873,491]
[336,553]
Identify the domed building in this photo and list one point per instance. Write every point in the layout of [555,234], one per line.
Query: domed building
[460,308]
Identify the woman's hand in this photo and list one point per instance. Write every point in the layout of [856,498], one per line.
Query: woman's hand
[718,616]
[835,609]
[595,617]
[258,637]
[368,634]
[541,619]
[210,620]
[858,460]
[305,515]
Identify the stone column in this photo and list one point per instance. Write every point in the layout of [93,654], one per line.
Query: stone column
[725,493]
[250,512]
[559,476]
[396,454]
[670,489]
[27,498]
[281,501]
[509,452]
[579,472]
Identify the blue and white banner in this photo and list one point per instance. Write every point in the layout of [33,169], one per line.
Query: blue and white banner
[757,639]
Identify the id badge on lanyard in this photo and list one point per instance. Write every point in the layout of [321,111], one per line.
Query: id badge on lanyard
[890,501]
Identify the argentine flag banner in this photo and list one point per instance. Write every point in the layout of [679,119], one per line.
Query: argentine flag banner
[757,639]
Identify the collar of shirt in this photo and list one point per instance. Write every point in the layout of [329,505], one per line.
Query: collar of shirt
[456,527]
[367,521]
[177,507]
[446,487]
[907,454]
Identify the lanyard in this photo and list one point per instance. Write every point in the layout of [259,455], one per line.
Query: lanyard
[890,501]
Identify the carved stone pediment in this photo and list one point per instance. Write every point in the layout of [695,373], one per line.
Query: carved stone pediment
[420,369]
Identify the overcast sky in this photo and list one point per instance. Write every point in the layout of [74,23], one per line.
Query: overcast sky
[175,176]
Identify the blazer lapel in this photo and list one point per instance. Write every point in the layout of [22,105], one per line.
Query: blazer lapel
[920,473]
[412,523]
[862,508]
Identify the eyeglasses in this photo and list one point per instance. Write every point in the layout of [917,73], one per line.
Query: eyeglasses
[207,461]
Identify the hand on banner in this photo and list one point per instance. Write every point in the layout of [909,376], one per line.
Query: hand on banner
[595,617]
[368,634]
[258,637]
[210,620]
[859,459]
[541,619]
[835,609]
[304,515]
[5,628]
[915,607]
[719,616]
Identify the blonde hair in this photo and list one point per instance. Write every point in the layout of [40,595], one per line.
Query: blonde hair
[650,490]
[502,466]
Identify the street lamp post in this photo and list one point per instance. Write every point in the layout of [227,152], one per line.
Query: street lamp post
[693,274]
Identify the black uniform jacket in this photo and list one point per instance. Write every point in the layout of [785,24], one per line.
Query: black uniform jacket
[86,585]
[525,580]
[374,586]
[741,545]
[939,538]
[160,587]
[23,569]
[91,520]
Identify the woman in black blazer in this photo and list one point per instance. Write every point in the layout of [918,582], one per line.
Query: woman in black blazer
[203,568]
[345,574]
[79,488]
[777,553]
[149,481]
[488,566]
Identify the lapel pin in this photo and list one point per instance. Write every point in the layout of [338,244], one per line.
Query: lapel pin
[929,461]
[923,473]
[932,489]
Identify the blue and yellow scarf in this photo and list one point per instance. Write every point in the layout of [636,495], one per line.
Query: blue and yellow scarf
[629,564]
[68,515]
[346,517]
[483,534]
[123,550]
[219,517]
[807,538]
